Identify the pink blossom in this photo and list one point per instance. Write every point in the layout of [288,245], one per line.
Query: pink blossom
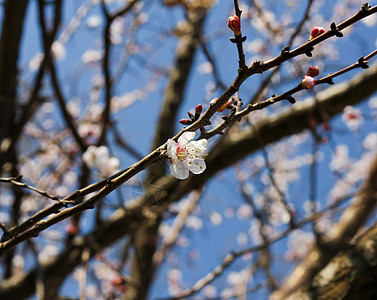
[308,82]
[317,31]
[234,24]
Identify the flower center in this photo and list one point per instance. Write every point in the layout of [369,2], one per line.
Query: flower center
[181,153]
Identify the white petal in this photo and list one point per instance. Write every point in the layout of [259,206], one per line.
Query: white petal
[179,170]
[196,166]
[172,149]
[185,138]
[197,147]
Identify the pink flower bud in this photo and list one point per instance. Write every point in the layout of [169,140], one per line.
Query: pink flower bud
[185,121]
[316,32]
[198,110]
[313,71]
[234,24]
[308,82]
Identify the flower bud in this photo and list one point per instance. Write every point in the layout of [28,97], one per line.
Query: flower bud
[234,24]
[185,121]
[316,32]
[313,71]
[308,82]
[198,111]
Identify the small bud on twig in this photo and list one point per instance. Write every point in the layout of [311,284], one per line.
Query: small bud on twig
[185,121]
[308,82]
[198,111]
[317,31]
[313,71]
[234,23]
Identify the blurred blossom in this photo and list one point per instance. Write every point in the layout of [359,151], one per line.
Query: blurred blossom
[6,199]
[299,243]
[278,214]
[174,281]
[229,212]
[141,19]
[103,271]
[215,218]
[255,231]
[373,102]
[209,291]
[36,61]
[29,204]
[116,31]
[309,208]
[352,117]
[227,293]
[194,254]
[194,222]
[370,141]
[242,239]
[92,291]
[4,217]
[205,68]
[125,100]
[239,280]
[324,225]
[73,107]
[340,161]
[88,129]
[244,212]
[18,261]
[99,158]
[47,252]
[256,46]
[94,21]
[91,56]
[58,50]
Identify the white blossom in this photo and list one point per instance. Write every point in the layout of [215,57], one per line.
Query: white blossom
[187,155]
[94,21]
[58,50]
[100,158]
[352,117]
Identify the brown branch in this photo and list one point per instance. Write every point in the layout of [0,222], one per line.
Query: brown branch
[106,64]
[260,67]
[15,181]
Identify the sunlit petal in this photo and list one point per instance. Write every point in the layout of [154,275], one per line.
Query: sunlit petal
[185,138]
[196,166]
[179,170]
[172,149]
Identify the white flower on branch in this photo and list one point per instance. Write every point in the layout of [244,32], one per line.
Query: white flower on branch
[187,155]
[100,158]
